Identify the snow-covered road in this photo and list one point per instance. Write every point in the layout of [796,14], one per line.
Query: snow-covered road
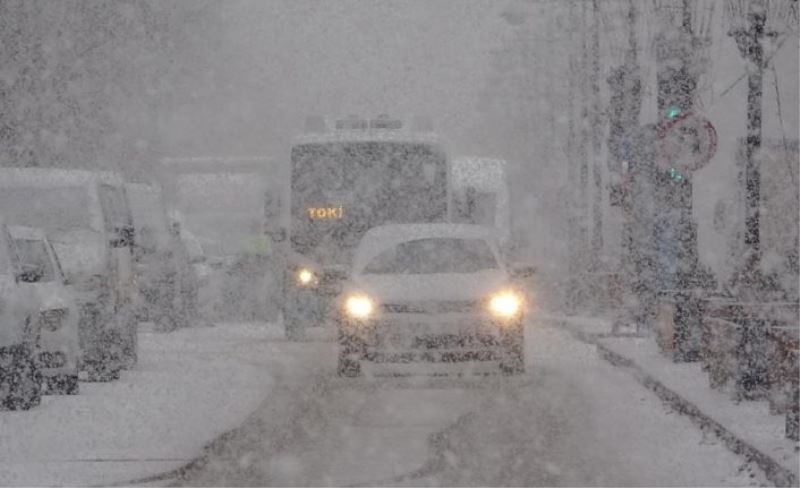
[572,420]
[189,387]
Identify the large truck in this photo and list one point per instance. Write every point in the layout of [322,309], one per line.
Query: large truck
[347,176]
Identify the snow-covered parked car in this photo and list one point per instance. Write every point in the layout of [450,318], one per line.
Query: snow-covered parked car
[431,293]
[20,379]
[87,218]
[59,350]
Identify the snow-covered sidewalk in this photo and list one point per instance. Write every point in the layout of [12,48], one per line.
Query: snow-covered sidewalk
[749,422]
[189,387]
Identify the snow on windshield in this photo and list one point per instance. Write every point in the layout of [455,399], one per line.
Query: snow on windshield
[438,255]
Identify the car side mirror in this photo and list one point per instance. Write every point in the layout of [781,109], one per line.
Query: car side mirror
[522,271]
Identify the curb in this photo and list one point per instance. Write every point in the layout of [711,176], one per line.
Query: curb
[774,471]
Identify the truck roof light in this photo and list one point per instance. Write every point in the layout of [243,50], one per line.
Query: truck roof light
[383,121]
[352,123]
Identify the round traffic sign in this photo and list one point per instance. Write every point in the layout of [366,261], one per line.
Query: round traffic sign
[686,143]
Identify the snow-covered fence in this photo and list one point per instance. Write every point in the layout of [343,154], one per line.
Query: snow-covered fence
[734,332]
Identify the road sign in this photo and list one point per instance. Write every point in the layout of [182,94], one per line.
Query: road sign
[686,143]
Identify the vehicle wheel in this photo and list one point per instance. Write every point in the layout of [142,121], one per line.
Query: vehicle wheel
[295,331]
[101,372]
[513,366]
[63,385]
[513,362]
[350,348]
[348,368]
[130,350]
[23,383]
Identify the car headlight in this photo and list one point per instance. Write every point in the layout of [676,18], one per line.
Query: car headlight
[305,277]
[505,304]
[359,306]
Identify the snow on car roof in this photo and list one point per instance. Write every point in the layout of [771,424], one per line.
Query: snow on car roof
[25,232]
[382,237]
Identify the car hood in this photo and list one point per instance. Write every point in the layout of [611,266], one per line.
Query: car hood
[430,287]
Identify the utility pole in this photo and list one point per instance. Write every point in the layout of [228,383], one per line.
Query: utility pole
[572,192]
[678,268]
[582,156]
[572,155]
[624,107]
[752,288]
[749,42]
[597,146]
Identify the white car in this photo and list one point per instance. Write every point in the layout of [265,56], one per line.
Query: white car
[20,379]
[59,349]
[432,293]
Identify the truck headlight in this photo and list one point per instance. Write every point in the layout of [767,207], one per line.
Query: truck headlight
[305,277]
[505,304]
[359,306]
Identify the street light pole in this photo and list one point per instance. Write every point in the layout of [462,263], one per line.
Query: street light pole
[752,287]
[624,107]
[748,40]
[597,147]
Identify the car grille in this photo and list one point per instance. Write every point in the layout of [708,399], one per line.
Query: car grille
[432,356]
[434,307]
[52,320]
[50,359]
[453,341]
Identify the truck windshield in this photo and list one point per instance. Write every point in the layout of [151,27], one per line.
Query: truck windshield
[341,189]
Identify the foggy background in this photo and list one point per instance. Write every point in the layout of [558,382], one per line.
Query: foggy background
[119,85]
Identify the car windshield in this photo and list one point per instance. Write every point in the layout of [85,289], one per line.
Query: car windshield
[432,256]
[35,260]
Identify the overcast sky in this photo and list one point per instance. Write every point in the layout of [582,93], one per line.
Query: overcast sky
[282,60]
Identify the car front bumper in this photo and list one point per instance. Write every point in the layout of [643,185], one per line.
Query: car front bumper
[437,338]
